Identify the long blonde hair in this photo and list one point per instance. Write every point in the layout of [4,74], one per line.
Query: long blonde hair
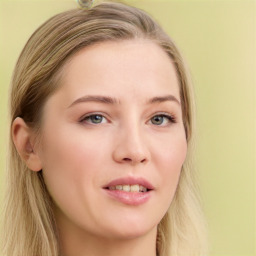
[29,226]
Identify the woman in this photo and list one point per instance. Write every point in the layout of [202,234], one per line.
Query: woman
[101,137]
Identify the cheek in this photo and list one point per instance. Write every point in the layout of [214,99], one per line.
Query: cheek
[169,160]
[68,152]
[68,166]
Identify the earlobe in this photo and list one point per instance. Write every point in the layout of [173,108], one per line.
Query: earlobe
[22,138]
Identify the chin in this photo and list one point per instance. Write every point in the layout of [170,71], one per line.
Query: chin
[130,234]
[127,229]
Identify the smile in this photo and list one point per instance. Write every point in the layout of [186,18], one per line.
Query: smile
[129,188]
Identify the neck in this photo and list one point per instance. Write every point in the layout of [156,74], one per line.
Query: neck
[99,247]
[73,244]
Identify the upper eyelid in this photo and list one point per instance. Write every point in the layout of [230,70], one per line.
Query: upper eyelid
[161,113]
[94,114]
[103,113]
[164,113]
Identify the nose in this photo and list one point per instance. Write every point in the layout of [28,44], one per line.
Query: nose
[131,147]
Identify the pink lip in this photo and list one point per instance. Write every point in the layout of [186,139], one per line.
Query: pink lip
[130,181]
[129,198]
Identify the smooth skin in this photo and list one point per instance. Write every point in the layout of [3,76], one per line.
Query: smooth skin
[116,114]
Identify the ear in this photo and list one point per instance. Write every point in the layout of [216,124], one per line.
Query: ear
[23,139]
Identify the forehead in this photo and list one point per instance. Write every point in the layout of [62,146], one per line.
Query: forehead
[137,66]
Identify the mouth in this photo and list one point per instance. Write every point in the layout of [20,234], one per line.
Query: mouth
[130,184]
[129,188]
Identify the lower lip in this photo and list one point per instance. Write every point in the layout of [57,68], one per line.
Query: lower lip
[129,198]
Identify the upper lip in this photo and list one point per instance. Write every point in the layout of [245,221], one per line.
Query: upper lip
[130,181]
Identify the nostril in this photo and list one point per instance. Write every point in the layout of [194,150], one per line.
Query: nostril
[127,159]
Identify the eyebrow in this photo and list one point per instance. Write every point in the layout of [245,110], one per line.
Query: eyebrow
[95,98]
[163,99]
[112,101]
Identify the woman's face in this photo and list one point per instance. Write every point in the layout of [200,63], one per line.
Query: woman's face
[114,125]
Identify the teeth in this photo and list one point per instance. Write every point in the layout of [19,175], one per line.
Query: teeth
[143,189]
[119,187]
[129,188]
[135,188]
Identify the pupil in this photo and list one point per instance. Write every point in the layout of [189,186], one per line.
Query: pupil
[157,120]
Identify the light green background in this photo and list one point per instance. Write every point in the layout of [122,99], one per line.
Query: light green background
[218,40]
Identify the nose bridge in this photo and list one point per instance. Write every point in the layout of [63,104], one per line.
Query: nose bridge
[131,143]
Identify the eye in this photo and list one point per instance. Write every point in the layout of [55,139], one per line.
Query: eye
[94,119]
[162,119]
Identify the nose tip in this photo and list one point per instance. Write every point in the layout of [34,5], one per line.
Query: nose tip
[131,149]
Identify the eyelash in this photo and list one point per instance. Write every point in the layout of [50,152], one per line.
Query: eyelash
[87,117]
[170,118]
